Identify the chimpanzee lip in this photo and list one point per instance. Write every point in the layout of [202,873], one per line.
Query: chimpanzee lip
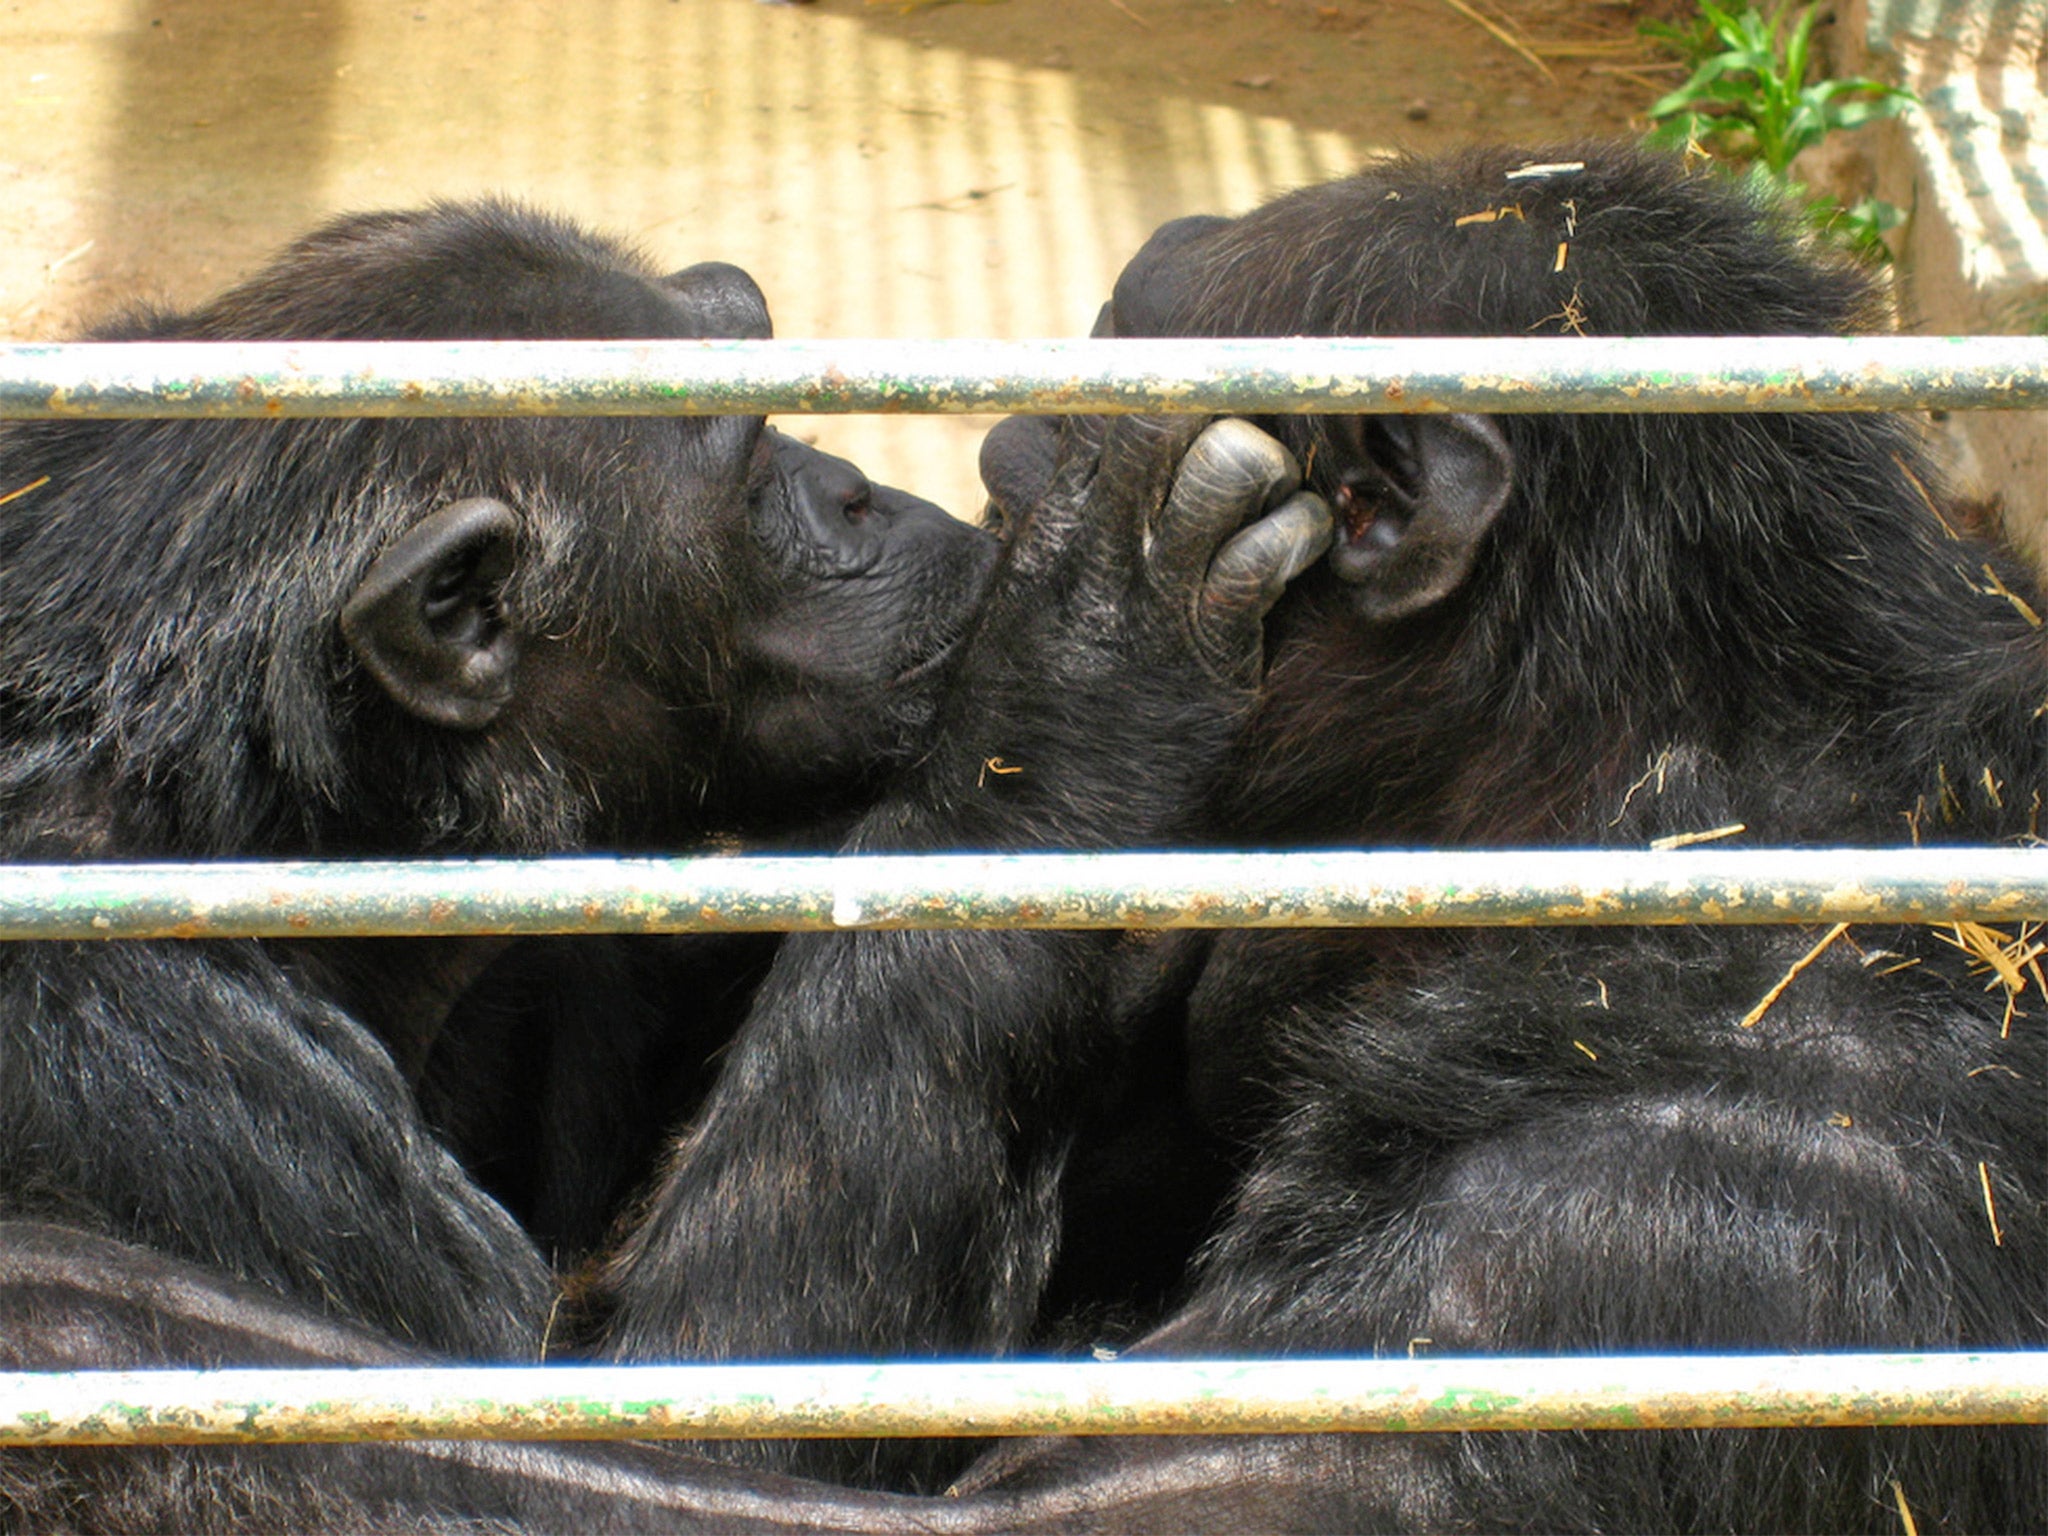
[926,664]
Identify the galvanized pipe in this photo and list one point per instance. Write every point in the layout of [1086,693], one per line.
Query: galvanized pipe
[694,378]
[1020,1398]
[1041,890]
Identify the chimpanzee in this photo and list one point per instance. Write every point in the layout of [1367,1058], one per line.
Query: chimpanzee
[379,637]
[1530,631]
[387,637]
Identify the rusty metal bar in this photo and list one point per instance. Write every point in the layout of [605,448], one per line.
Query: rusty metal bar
[1044,890]
[687,378]
[566,1402]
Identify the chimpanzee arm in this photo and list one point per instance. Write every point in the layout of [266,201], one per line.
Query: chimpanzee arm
[877,1169]
[242,1124]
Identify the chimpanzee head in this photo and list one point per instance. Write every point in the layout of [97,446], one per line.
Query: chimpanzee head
[1495,578]
[410,634]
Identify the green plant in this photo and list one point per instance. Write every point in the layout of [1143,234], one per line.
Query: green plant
[1749,100]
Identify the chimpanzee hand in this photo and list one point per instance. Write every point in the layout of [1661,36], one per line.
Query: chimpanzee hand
[879,1168]
[1120,645]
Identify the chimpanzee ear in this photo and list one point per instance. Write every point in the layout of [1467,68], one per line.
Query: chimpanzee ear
[720,300]
[1410,527]
[427,620]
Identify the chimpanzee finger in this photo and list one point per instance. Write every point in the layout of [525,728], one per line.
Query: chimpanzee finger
[1142,457]
[1250,572]
[1230,473]
[1110,477]
[1018,458]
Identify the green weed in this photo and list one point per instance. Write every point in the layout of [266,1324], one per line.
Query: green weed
[1750,100]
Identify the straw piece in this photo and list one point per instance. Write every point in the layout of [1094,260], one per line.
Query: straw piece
[1990,1205]
[1905,1510]
[1505,36]
[2000,589]
[34,485]
[1749,1019]
[1687,839]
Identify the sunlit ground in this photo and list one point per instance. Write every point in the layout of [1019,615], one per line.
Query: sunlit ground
[875,187]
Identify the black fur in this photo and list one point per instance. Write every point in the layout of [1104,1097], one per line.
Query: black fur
[1516,1141]
[206,650]
[877,1168]
[1569,1141]
[1626,627]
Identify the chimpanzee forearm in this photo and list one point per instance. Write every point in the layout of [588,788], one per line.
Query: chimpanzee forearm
[878,1168]
[877,1171]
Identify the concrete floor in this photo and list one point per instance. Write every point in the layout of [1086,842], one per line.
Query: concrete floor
[906,169]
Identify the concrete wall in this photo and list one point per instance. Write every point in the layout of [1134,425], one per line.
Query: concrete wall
[1970,164]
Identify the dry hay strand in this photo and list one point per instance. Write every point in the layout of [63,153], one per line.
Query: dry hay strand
[1688,839]
[1658,767]
[1926,499]
[1950,802]
[2000,589]
[1505,36]
[996,766]
[34,485]
[1906,1522]
[2010,958]
[1750,1018]
[1572,319]
[1990,1204]
[1490,215]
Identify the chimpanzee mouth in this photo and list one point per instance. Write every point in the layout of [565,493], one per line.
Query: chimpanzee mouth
[940,637]
[924,666]
[938,653]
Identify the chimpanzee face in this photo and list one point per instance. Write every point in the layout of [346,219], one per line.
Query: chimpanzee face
[513,634]
[751,618]
[873,587]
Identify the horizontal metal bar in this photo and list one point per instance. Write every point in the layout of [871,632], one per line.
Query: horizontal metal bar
[1043,890]
[568,1402]
[691,378]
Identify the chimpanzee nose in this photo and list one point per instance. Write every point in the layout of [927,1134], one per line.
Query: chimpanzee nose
[841,524]
[834,506]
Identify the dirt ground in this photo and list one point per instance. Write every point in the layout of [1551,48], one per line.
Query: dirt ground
[975,168]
